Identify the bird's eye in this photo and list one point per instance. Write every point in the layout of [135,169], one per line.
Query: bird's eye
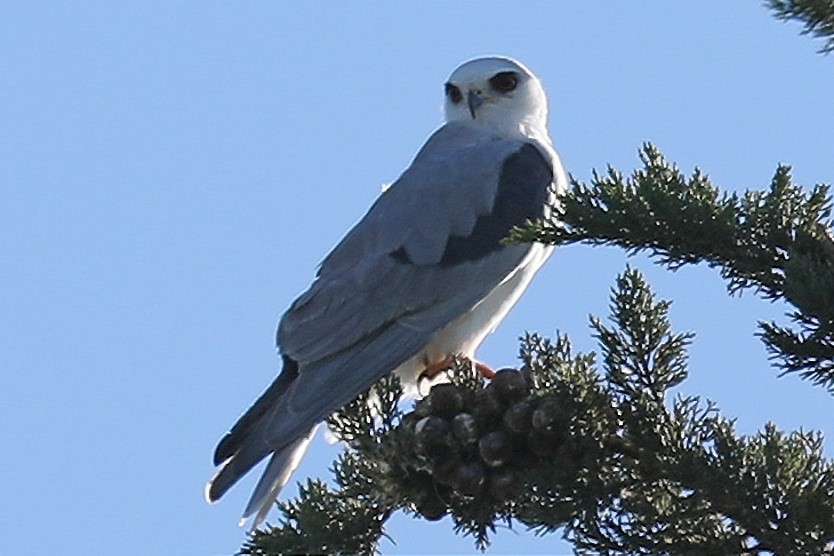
[504,82]
[453,93]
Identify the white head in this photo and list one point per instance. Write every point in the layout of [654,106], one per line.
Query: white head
[497,92]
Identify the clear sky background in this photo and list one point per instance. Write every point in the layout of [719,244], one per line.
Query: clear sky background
[171,173]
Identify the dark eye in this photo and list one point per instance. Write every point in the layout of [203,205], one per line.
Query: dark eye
[453,93]
[504,82]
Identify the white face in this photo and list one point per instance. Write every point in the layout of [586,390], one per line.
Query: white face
[496,92]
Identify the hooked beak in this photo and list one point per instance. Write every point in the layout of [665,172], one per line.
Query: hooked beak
[474,100]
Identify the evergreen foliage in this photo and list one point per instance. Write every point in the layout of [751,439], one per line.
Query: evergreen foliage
[597,449]
[817,16]
[777,242]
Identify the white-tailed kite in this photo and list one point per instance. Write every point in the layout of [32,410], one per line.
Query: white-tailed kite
[422,277]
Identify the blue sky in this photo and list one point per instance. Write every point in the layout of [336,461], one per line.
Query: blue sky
[171,174]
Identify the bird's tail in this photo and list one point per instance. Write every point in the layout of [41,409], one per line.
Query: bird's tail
[276,475]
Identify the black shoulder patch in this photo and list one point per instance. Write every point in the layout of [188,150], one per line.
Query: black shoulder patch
[522,193]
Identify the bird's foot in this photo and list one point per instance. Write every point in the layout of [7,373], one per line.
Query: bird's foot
[434,369]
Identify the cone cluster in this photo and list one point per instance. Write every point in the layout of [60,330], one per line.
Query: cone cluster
[478,443]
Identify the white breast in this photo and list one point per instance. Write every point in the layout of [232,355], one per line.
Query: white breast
[464,334]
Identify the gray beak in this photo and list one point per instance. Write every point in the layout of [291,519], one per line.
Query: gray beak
[474,100]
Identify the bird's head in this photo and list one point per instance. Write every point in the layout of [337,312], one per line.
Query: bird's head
[497,92]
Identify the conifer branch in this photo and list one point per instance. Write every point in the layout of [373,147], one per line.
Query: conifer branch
[816,15]
[775,242]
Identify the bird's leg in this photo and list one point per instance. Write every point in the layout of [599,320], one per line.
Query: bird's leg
[434,369]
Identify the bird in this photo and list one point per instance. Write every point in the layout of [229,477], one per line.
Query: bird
[424,276]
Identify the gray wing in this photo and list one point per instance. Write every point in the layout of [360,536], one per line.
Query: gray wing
[450,209]
[427,252]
